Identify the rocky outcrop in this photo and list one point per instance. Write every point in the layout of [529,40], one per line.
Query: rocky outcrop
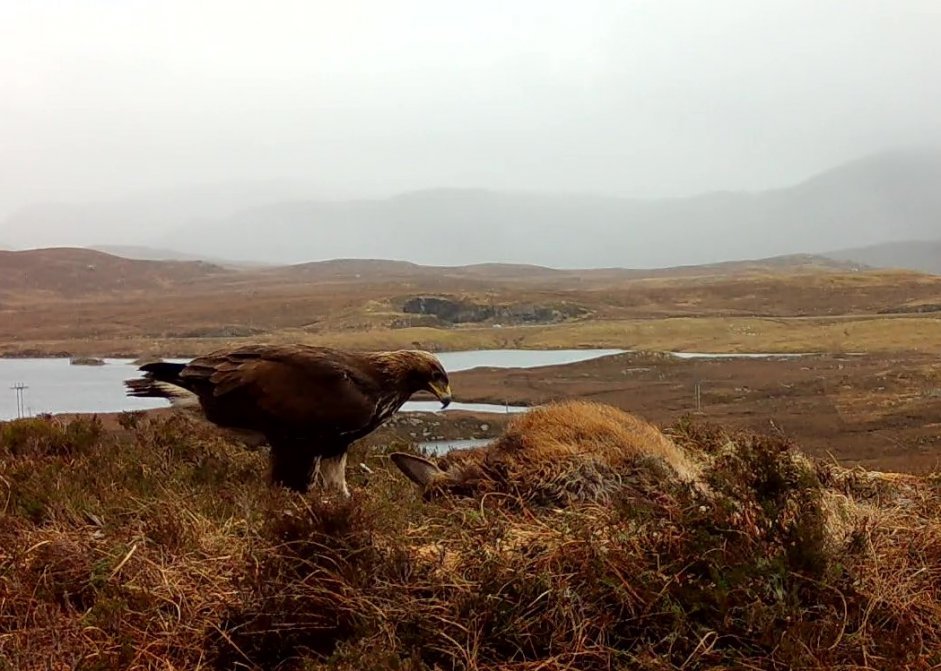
[456,311]
[86,361]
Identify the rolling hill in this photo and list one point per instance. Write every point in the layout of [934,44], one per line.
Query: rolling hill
[371,270]
[88,302]
[71,272]
[75,272]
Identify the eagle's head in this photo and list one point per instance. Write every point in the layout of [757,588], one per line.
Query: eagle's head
[431,375]
[421,371]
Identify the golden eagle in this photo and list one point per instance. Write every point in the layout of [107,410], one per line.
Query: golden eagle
[309,403]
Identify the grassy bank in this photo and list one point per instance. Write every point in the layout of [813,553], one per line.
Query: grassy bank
[700,334]
[158,545]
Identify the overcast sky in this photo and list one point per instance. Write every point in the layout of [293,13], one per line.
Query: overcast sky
[98,97]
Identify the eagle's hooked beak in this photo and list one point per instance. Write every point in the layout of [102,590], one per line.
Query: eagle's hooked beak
[443,394]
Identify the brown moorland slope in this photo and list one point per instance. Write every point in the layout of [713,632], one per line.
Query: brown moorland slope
[71,272]
[80,301]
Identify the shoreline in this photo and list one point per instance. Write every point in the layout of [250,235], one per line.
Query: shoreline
[730,335]
[875,410]
[680,354]
[62,354]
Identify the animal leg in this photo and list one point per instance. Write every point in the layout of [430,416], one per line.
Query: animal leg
[292,466]
[333,472]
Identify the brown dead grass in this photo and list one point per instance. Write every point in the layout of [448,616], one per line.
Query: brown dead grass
[159,546]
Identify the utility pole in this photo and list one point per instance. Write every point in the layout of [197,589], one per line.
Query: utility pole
[697,395]
[18,389]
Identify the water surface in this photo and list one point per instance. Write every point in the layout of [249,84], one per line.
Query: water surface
[435,406]
[56,386]
[439,447]
[519,358]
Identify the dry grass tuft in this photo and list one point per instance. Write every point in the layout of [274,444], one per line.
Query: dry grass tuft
[161,546]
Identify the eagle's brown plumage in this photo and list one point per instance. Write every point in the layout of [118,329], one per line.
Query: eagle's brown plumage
[307,402]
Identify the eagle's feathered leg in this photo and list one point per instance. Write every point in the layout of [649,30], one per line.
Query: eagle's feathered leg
[292,464]
[333,472]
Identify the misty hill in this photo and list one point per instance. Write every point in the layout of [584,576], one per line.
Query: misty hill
[137,219]
[921,255]
[883,198]
[386,270]
[372,270]
[70,272]
[870,201]
[145,253]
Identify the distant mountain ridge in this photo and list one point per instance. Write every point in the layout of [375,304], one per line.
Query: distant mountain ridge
[379,268]
[132,219]
[874,200]
[888,197]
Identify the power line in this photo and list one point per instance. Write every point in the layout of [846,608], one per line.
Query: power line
[19,388]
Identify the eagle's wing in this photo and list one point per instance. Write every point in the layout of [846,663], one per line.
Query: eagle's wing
[293,387]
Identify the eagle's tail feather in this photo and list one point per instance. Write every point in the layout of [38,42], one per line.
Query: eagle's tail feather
[147,388]
[163,371]
[162,380]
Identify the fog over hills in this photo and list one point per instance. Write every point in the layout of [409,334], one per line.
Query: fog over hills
[923,255]
[136,218]
[870,201]
[145,253]
[889,197]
